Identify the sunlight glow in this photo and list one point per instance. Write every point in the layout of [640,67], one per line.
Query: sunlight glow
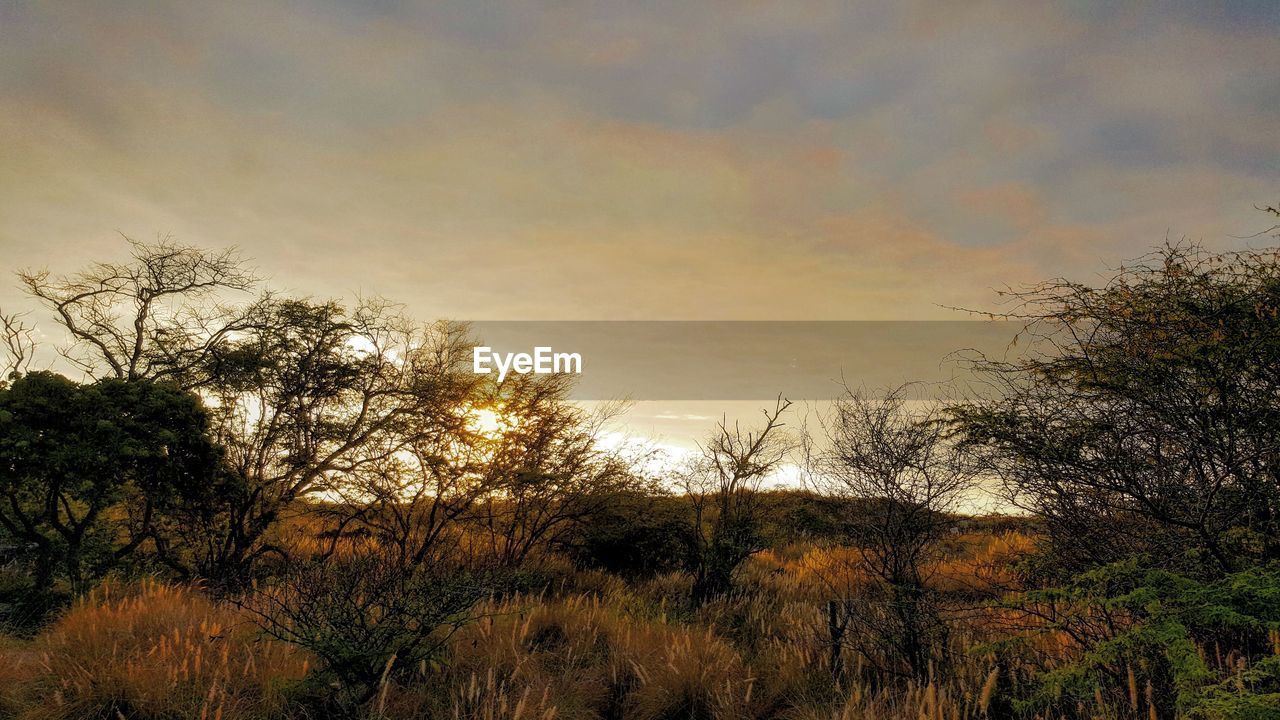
[490,423]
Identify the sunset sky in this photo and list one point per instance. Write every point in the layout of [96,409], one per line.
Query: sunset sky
[640,160]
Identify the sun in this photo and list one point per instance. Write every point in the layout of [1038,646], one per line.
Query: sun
[489,422]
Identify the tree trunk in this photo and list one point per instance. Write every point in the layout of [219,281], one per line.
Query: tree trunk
[836,626]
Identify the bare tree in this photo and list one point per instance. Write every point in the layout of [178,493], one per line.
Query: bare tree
[893,461]
[19,346]
[155,317]
[723,487]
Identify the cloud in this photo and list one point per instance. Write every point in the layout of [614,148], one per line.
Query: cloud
[655,160]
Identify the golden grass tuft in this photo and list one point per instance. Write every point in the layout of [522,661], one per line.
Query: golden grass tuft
[584,657]
[152,650]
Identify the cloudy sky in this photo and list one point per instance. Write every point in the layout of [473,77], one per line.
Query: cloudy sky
[639,160]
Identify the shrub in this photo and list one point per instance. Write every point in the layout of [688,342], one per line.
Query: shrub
[636,536]
[1174,643]
[367,618]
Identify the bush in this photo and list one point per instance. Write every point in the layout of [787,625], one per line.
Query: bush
[1199,649]
[367,618]
[636,536]
[583,658]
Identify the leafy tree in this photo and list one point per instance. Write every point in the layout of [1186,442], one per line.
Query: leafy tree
[1146,413]
[1142,428]
[305,401]
[85,468]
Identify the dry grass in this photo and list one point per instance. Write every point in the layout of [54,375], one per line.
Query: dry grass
[580,656]
[592,647]
[147,651]
[595,648]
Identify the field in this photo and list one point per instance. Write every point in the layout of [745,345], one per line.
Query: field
[588,644]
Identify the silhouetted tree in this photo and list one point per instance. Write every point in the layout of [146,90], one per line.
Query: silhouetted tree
[723,486]
[546,469]
[19,344]
[307,400]
[1145,415]
[895,456]
[72,457]
[155,317]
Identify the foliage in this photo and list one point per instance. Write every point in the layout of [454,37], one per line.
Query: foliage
[636,535]
[84,469]
[1152,626]
[326,465]
[1146,413]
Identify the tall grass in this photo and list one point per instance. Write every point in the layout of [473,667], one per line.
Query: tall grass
[590,647]
[149,650]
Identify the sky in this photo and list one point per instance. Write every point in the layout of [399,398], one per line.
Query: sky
[568,160]
[806,160]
